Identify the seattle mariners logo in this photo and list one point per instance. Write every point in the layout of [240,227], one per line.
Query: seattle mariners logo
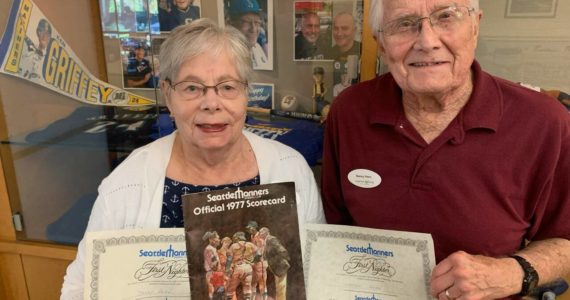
[249,4]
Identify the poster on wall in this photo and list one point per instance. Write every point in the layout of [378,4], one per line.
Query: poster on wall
[32,49]
[253,18]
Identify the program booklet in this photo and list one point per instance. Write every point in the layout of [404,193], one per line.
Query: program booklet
[244,242]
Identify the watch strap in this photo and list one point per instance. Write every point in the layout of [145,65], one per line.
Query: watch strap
[530,277]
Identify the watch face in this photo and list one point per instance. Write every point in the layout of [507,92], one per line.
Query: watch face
[532,280]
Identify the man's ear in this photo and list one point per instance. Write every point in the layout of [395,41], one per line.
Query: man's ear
[380,48]
[477,23]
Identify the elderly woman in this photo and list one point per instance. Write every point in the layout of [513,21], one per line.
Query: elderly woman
[206,70]
[477,161]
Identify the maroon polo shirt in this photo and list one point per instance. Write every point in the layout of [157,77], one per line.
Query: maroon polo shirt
[497,175]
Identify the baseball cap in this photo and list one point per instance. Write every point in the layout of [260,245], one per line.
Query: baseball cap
[251,224]
[240,235]
[240,7]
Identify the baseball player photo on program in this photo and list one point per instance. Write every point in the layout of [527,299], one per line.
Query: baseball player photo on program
[253,18]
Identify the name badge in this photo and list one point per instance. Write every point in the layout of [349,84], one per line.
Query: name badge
[364,178]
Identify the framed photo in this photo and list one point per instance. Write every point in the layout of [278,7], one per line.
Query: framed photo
[261,95]
[254,18]
[312,30]
[137,61]
[531,8]
[173,13]
[346,43]
[130,16]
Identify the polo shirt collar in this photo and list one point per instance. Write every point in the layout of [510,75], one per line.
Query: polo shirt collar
[485,107]
[483,110]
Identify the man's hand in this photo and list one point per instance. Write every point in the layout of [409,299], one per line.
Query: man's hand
[464,276]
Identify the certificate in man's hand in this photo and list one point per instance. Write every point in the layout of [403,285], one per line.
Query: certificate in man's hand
[136,264]
[348,262]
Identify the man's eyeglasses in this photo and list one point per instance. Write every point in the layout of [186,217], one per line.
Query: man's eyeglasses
[443,20]
[190,90]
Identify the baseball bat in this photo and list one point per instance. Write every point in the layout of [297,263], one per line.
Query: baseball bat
[289,114]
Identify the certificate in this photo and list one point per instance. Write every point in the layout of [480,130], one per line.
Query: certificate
[347,262]
[136,264]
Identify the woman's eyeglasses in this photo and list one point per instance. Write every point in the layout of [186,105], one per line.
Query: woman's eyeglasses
[190,90]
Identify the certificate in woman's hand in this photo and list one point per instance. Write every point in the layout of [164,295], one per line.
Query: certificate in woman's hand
[136,264]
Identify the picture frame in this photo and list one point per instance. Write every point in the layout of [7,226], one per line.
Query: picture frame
[312,30]
[171,14]
[254,18]
[261,95]
[142,16]
[137,62]
[531,8]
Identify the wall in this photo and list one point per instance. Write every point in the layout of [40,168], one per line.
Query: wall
[530,49]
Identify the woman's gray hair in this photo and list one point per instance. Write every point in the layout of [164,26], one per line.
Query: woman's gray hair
[199,37]
[376,14]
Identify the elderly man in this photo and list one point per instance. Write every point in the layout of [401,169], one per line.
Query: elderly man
[444,143]
[245,16]
[309,44]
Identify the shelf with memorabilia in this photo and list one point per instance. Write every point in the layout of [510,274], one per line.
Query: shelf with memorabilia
[290,85]
[304,52]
